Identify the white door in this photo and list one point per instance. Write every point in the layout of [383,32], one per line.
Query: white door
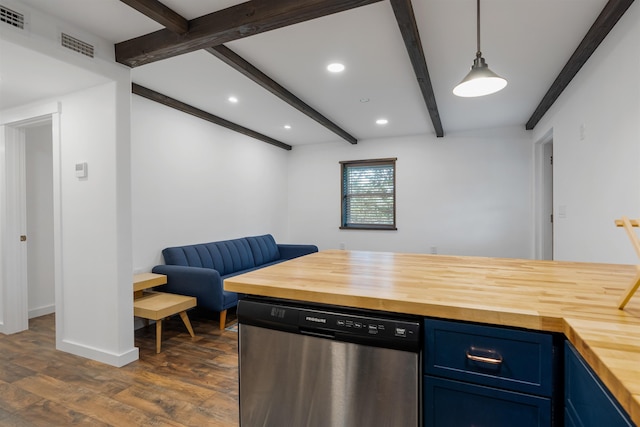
[547,201]
[14,304]
[39,215]
[14,248]
[543,198]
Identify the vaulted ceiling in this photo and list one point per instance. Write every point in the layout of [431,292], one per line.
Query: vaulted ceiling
[402,59]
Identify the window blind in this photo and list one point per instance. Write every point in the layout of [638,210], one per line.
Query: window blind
[368,194]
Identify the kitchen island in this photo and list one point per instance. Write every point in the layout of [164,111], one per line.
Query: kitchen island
[576,299]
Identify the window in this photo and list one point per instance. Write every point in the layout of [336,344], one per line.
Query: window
[369,194]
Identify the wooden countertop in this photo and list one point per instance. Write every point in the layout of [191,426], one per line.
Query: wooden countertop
[577,299]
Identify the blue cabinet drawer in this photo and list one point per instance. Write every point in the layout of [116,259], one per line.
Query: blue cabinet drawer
[450,403]
[499,357]
[587,402]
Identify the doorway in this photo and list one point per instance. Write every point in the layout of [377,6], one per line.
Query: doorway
[547,200]
[29,279]
[39,219]
[544,218]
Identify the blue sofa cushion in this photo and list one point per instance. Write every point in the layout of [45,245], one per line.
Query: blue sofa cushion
[199,270]
[264,249]
[225,256]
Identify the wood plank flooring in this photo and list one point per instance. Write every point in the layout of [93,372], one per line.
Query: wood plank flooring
[192,382]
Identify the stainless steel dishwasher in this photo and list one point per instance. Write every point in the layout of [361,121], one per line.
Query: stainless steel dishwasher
[324,366]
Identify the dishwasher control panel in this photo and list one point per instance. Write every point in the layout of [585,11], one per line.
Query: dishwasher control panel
[368,327]
[358,324]
[361,328]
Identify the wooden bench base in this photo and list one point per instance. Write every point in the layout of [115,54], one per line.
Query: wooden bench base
[159,305]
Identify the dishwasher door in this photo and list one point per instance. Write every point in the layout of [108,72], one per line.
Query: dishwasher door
[315,378]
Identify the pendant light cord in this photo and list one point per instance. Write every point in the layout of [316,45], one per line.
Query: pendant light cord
[481,80]
[478,53]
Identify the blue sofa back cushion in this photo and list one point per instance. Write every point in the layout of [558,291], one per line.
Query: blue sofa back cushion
[264,249]
[225,256]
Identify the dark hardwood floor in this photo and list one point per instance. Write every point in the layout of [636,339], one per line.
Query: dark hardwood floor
[192,382]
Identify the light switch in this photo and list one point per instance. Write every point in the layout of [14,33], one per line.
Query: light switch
[81,170]
[562,211]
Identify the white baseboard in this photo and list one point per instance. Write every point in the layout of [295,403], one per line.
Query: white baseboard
[42,311]
[117,360]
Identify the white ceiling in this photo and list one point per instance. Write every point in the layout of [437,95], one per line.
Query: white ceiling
[27,76]
[527,42]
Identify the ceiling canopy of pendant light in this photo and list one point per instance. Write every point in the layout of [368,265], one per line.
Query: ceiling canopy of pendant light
[481,80]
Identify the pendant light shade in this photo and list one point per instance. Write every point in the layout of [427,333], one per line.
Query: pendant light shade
[481,80]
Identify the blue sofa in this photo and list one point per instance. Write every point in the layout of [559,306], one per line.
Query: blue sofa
[199,270]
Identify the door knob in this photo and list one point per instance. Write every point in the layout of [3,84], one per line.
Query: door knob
[23,238]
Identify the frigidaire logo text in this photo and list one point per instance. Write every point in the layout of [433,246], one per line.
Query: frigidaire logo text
[315,319]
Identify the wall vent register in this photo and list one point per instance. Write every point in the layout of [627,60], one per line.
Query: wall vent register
[11,17]
[77,45]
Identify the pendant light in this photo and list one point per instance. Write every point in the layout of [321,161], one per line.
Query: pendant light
[481,80]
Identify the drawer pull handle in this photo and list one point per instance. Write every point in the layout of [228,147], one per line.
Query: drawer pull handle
[497,360]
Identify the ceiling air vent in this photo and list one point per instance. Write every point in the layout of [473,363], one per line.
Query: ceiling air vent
[77,45]
[11,17]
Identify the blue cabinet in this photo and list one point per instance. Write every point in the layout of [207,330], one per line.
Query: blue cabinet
[454,403]
[484,375]
[587,401]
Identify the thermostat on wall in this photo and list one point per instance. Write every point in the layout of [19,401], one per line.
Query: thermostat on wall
[81,170]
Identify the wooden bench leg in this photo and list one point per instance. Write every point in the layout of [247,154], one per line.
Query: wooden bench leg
[187,323]
[223,319]
[158,334]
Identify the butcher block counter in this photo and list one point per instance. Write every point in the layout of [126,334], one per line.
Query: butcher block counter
[577,299]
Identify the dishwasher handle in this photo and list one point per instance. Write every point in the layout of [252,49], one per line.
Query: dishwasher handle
[318,333]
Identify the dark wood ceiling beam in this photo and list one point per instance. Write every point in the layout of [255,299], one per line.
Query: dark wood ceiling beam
[236,22]
[409,29]
[161,14]
[189,109]
[605,22]
[238,63]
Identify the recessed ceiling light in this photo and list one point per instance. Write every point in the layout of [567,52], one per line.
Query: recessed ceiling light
[233,99]
[382,121]
[336,67]
[287,126]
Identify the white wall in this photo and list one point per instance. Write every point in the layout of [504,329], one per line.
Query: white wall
[597,171]
[39,197]
[464,194]
[96,241]
[92,217]
[194,182]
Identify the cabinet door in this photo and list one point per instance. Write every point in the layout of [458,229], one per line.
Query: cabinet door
[587,402]
[450,403]
[569,421]
[493,356]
